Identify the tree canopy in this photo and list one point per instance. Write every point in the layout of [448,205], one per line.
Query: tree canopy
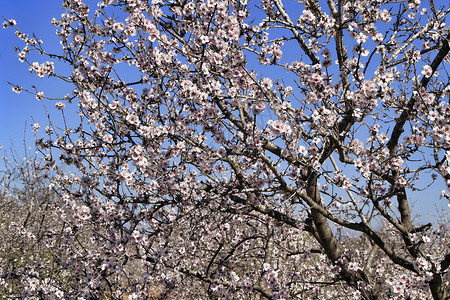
[246,149]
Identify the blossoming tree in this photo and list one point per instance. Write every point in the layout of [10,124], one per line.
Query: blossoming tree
[229,148]
[29,226]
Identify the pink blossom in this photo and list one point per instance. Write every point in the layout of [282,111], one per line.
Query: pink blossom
[427,71]
[59,105]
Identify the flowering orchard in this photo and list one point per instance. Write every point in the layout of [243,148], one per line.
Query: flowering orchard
[29,226]
[246,149]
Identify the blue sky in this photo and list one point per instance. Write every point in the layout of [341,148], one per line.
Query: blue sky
[16,110]
[20,111]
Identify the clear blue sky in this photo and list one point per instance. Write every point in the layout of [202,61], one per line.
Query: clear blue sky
[16,110]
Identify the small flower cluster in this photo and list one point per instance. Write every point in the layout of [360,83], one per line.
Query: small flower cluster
[8,23]
[43,69]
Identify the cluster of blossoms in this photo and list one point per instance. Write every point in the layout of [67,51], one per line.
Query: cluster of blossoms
[10,22]
[278,127]
[41,70]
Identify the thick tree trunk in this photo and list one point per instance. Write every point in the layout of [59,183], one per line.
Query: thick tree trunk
[437,288]
[324,235]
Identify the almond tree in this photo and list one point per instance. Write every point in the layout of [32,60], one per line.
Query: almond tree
[228,148]
[30,228]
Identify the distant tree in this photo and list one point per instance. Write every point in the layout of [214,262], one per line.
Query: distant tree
[228,148]
[29,228]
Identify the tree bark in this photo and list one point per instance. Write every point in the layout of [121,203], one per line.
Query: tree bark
[328,241]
